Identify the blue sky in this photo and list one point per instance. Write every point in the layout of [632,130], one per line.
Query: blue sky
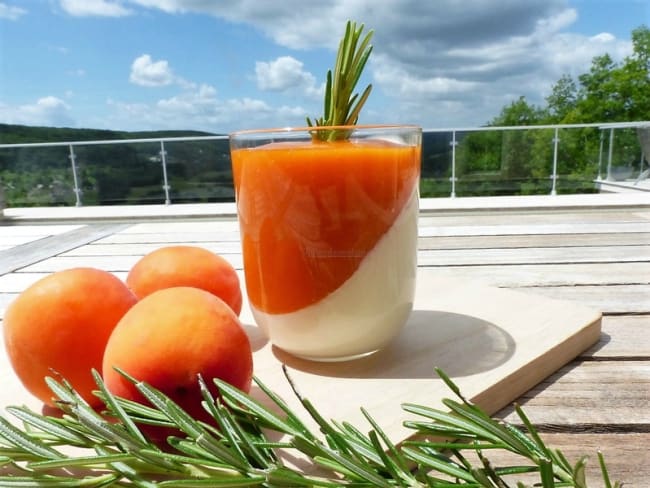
[223,65]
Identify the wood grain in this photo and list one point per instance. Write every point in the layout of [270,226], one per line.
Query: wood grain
[596,258]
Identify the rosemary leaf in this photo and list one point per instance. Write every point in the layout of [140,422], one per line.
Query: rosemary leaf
[444,466]
[26,442]
[546,473]
[222,452]
[341,105]
[54,427]
[117,409]
[56,482]
[233,432]
[237,399]
[282,476]
[170,408]
[85,461]
[495,431]
[457,423]
[392,449]
[345,463]
[213,482]
[401,476]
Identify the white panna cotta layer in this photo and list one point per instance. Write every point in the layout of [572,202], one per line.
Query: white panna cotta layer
[364,313]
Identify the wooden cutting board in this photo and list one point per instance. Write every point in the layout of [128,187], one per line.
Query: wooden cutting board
[494,343]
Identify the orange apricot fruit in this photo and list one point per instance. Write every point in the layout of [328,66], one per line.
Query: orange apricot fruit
[194,266]
[60,325]
[172,336]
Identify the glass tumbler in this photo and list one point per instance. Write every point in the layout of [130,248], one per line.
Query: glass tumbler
[329,235]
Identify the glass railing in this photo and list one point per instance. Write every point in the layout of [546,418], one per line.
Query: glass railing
[479,161]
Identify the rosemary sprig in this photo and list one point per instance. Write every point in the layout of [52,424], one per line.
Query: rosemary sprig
[342,107]
[86,449]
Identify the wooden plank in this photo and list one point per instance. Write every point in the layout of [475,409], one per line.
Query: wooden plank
[440,257]
[5,300]
[17,282]
[612,299]
[21,256]
[550,228]
[447,237]
[438,242]
[532,240]
[94,249]
[533,217]
[211,225]
[546,255]
[596,393]
[122,257]
[623,336]
[121,263]
[36,231]
[626,456]
[546,275]
[163,237]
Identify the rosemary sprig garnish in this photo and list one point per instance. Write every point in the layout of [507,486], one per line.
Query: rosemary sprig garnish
[342,107]
[241,448]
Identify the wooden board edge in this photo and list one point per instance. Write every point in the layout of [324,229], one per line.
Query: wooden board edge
[504,392]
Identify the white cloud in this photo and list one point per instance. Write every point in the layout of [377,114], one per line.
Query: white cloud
[473,54]
[199,107]
[147,72]
[48,110]
[99,8]
[439,63]
[11,12]
[285,73]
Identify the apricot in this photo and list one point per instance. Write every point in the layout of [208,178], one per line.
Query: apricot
[194,266]
[60,324]
[169,338]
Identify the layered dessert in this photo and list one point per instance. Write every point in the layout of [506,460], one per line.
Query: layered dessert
[329,241]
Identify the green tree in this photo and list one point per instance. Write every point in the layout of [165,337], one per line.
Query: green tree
[519,112]
[617,92]
[562,99]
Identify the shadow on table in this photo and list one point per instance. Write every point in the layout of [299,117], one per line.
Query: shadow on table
[460,345]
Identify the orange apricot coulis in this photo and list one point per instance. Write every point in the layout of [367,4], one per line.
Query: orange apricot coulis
[310,212]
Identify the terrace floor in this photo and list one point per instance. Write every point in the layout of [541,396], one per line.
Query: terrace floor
[589,249]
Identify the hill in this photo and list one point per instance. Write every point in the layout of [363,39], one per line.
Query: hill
[24,134]
[196,171]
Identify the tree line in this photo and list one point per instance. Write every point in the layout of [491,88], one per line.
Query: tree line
[487,162]
[608,92]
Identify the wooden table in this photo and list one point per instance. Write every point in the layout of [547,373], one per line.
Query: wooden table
[592,251]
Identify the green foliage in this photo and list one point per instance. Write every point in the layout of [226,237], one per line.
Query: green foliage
[110,174]
[521,160]
[611,92]
[341,105]
[250,439]
[487,162]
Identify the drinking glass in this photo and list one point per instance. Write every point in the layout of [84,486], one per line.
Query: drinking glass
[329,235]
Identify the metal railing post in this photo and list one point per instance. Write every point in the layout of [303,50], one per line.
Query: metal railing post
[610,151]
[600,156]
[641,165]
[556,141]
[453,144]
[163,159]
[73,164]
